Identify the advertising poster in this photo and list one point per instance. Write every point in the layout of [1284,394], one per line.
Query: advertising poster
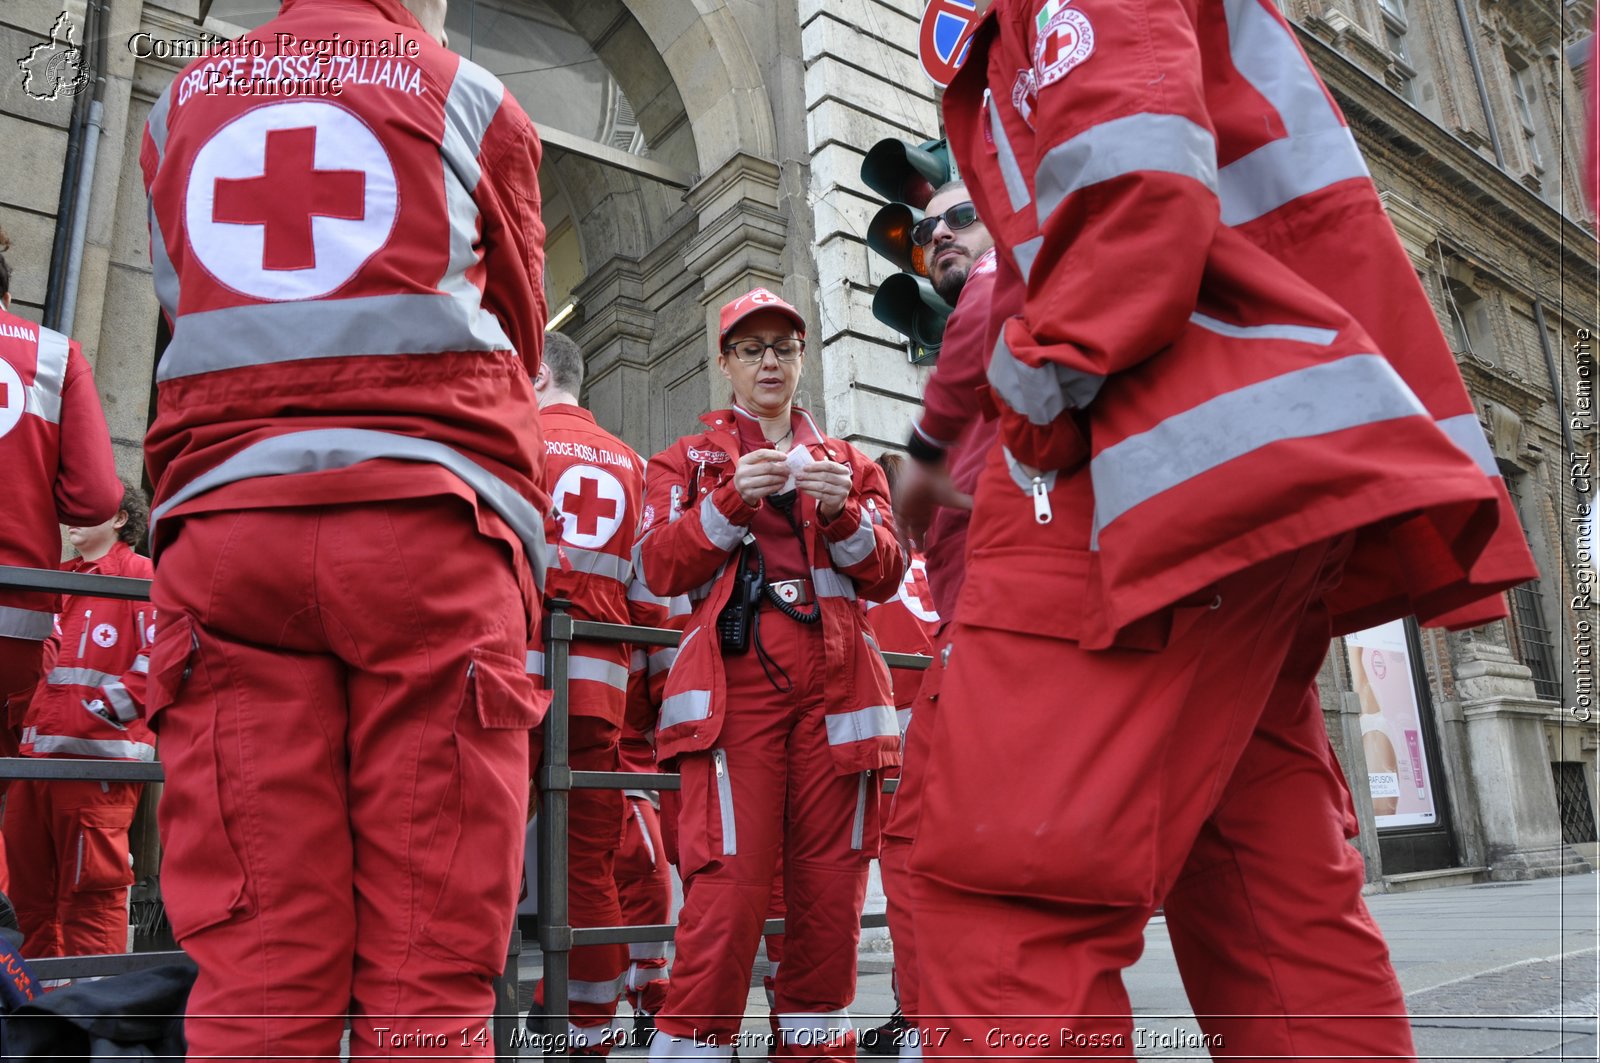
[1391,727]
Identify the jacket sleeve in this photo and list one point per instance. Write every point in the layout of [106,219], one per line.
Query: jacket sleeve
[861,540]
[684,543]
[1124,196]
[513,229]
[87,490]
[950,400]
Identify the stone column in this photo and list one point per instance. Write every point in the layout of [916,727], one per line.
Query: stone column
[615,337]
[1505,725]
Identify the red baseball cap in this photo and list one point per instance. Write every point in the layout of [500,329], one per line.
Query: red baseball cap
[753,302]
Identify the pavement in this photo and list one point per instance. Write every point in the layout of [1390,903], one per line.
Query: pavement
[1499,971]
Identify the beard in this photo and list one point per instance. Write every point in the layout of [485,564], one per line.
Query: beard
[951,281]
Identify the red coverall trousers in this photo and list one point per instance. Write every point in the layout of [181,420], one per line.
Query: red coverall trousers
[1059,816]
[644,890]
[68,844]
[347,756]
[594,833]
[20,671]
[769,788]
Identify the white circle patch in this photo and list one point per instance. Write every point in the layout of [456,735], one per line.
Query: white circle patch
[13,397]
[1066,41]
[592,504]
[105,636]
[288,200]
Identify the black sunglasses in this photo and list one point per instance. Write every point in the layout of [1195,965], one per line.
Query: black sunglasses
[957,217]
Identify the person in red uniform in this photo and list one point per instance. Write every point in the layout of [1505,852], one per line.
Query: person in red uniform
[777,708]
[932,501]
[69,840]
[348,530]
[56,468]
[595,481]
[1209,465]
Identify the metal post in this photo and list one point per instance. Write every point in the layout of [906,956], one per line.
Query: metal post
[506,989]
[555,785]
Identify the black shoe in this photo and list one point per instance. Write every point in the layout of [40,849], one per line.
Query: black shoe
[644,1029]
[885,1040]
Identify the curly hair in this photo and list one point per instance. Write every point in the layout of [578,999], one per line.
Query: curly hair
[138,511]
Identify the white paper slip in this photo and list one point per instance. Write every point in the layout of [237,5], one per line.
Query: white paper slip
[798,458]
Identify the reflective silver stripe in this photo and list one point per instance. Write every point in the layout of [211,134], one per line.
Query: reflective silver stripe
[140,665]
[647,950]
[1039,393]
[826,583]
[724,778]
[31,624]
[1135,143]
[474,98]
[855,547]
[580,667]
[874,721]
[666,1046]
[638,661]
[1319,149]
[1357,390]
[814,1027]
[902,717]
[1010,172]
[84,677]
[121,701]
[1024,254]
[114,749]
[688,705]
[157,122]
[679,605]
[594,563]
[595,992]
[702,592]
[49,376]
[470,105]
[1322,337]
[638,592]
[162,272]
[858,826]
[1466,432]
[722,532]
[270,333]
[662,660]
[337,448]
[607,1033]
[912,1049]
[644,832]
[943,443]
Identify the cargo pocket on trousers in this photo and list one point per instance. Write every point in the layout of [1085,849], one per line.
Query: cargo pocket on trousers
[100,850]
[476,849]
[864,824]
[202,878]
[707,828]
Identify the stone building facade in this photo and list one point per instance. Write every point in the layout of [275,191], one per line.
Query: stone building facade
[697,148]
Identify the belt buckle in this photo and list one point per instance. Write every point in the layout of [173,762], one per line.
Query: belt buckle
[791,591]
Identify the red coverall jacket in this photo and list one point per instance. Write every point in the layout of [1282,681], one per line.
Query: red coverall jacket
[956,429]
[595,482]
[693,520]
[906,623]
[84,707]
[349,282]
[1188,215]
[55,462]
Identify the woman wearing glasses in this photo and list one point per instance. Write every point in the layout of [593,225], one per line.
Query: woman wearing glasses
[777,710]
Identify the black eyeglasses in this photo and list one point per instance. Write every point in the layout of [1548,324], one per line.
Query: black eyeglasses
[957,217]
[751,352]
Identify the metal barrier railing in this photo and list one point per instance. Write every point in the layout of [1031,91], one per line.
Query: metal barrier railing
[557,937]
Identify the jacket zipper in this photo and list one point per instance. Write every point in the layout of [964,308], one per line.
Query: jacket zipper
[730,836]
[1041,501]
[858,829]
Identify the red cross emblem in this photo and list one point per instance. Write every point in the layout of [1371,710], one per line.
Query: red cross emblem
[290,192]
[588,506]
[13,397]
[1066,41]
[917,593]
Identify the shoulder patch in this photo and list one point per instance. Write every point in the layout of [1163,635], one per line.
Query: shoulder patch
[1065,42]
[710,456]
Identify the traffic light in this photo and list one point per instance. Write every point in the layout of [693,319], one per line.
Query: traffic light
[907,175]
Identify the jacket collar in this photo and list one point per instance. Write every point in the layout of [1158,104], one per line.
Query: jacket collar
[800,419]
[568,409]
[392,10]
[113,562]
